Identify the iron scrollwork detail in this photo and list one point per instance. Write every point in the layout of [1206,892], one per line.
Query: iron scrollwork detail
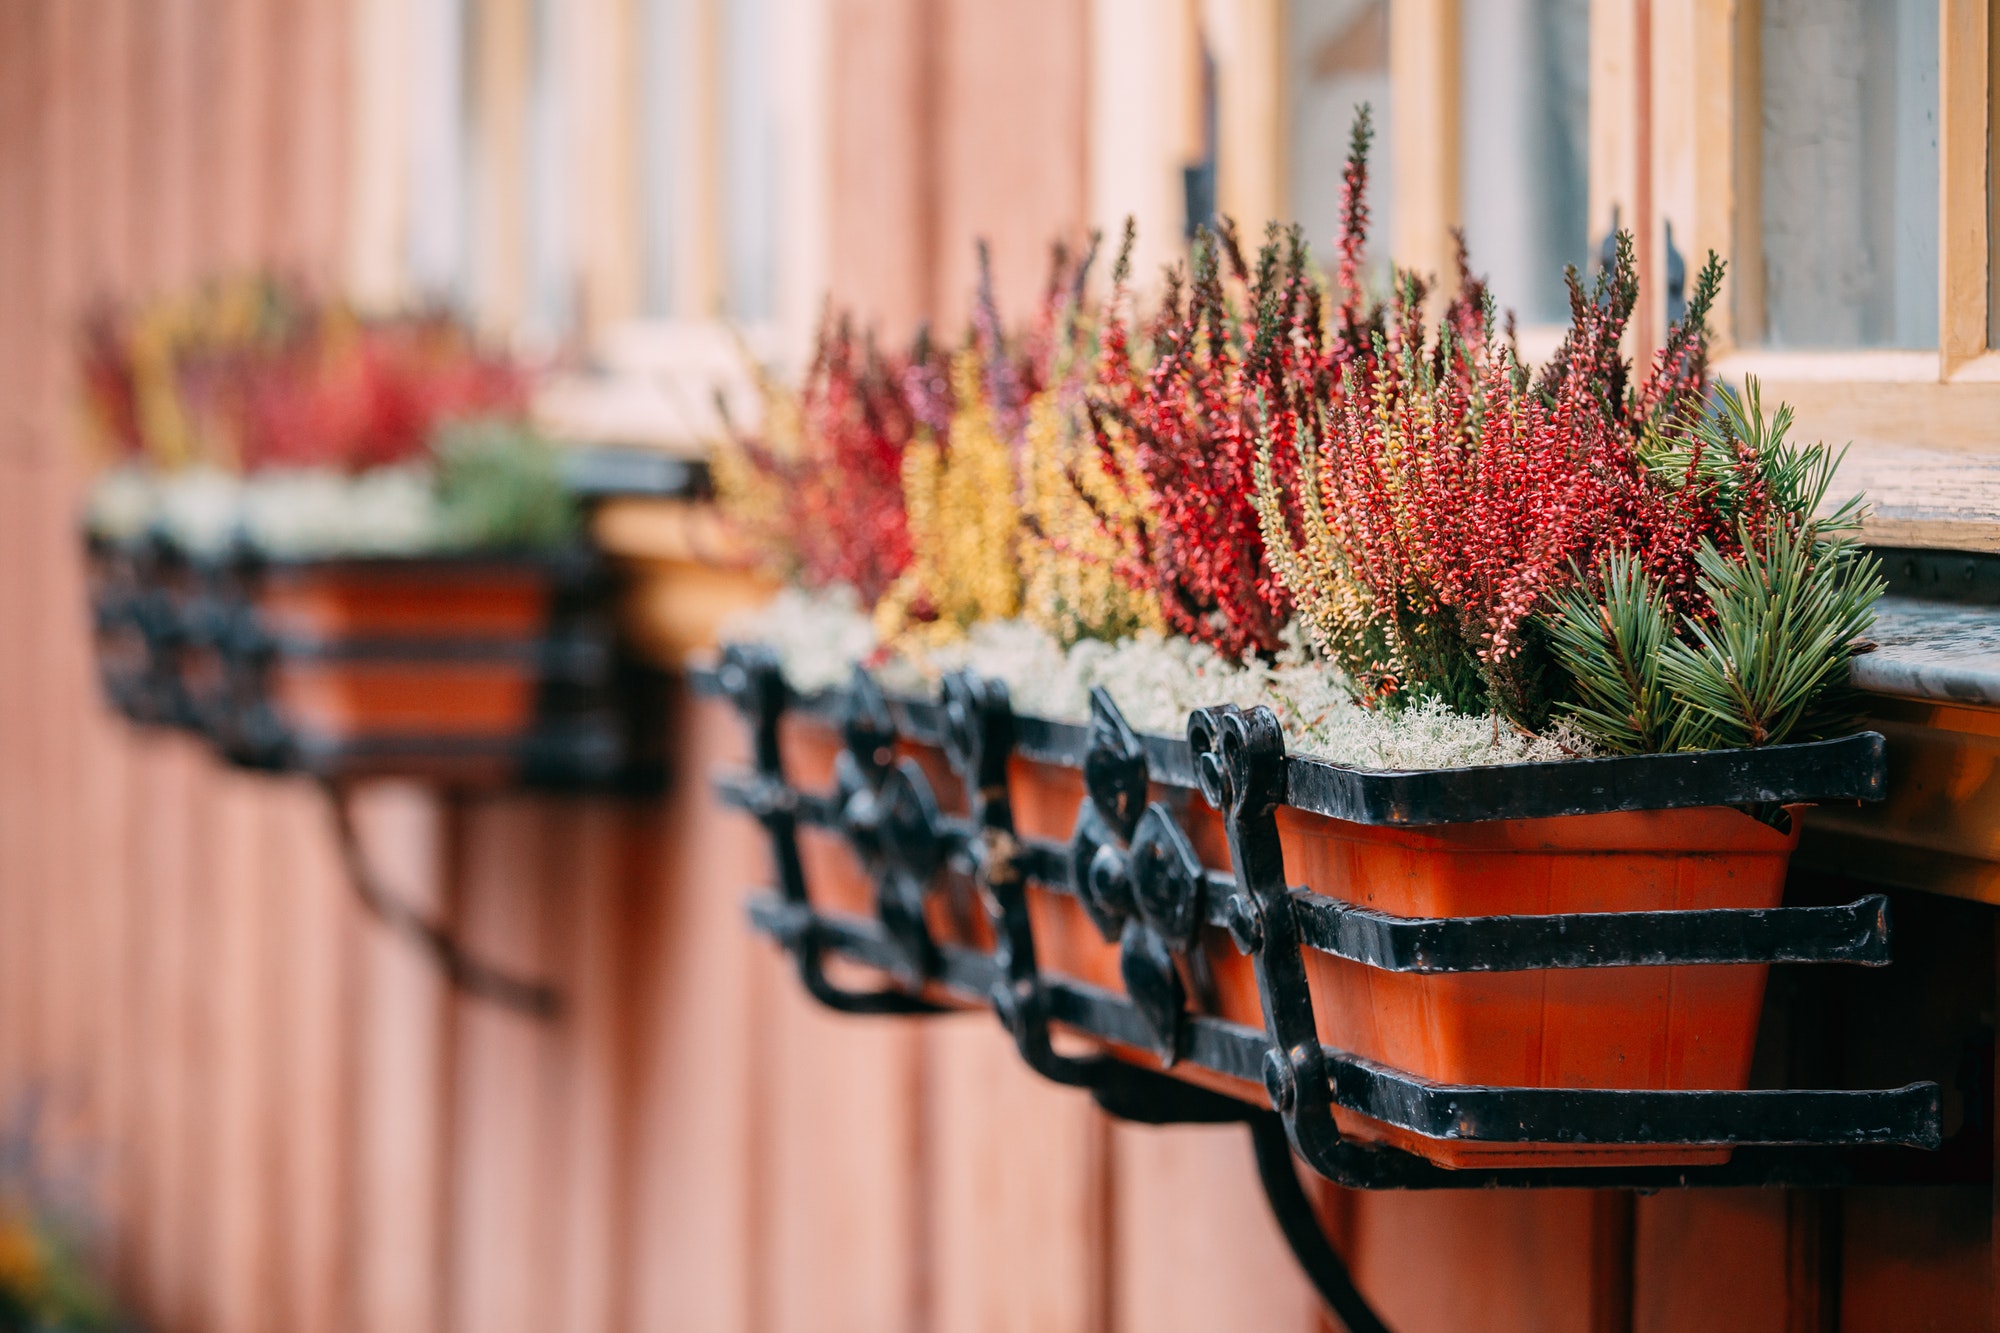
[1139,879]
[978,739]
[752,678]
[1239,759]
[890,817]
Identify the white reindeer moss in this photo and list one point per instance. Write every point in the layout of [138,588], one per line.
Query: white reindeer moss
[1155,681]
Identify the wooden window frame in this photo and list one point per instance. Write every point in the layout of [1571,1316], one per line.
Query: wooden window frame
[1920,426]
[1668,79]
[652,394]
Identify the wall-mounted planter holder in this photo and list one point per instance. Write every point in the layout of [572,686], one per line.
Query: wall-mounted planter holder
[473,670]
[142,591]
[1533,975]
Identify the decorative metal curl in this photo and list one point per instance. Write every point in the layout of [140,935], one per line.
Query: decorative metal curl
[891,819]
[978,738]
[1240,761]
[1115,778]
[750,676]
[1139,879]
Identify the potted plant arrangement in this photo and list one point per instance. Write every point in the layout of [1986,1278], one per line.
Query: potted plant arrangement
[51,1278]
[333,541]
[1437,568]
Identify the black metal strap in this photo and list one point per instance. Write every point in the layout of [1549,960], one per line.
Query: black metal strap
[1857,932]
[1904,1123]
[1299,1223]
[1240,761]
[1847,768]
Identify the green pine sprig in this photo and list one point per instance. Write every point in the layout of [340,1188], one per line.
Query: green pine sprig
[500,487]
[1611,639]
[1772,664]
[1728,451]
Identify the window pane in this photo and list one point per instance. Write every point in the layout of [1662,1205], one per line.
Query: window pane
[440,141]
[1850,172]
[661,90]
[1523,179]
[749,160]
[551,266]
[1337,57]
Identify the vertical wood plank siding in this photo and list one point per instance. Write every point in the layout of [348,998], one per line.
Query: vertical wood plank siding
[288,1120]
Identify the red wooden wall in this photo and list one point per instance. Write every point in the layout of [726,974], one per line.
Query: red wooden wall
[290,1123]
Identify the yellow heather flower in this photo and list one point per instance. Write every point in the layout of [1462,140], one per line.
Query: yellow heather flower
[750,496]
[964,522]
[1073,590]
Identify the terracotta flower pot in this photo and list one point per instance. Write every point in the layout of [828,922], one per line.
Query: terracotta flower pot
[351,699]
[413,599]
[685,573]
[442,648]
[1682,1027]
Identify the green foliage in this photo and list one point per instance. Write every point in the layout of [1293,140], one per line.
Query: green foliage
[500,486]
[1744,459]
[1772,665]
[1762,657]
[1611,639]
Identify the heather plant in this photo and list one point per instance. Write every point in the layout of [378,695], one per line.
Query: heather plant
[1006,486]
[1756,652]
[1582,543]
[1242,359]
[258,373]
[1366,479]
[1447,502]
[1075,498]
[1287,474]
[252,412]
[339,391]
[959,491]
[821,492]
[1176,443]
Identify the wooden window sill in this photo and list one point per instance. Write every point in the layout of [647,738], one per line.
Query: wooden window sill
[1921,445]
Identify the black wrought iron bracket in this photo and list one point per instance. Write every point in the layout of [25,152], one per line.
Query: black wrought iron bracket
[534,999]
[754,682]
[1135,874]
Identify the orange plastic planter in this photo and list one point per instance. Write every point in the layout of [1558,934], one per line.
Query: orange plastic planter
[1686,1027]
[444,699]
[418,599]
[402,612]
[1683,1027]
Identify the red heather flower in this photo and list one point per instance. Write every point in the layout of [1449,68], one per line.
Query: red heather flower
[1249,359]
[1223,348]
[349,395]
[838,497]
[109,382]
[1459,498]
